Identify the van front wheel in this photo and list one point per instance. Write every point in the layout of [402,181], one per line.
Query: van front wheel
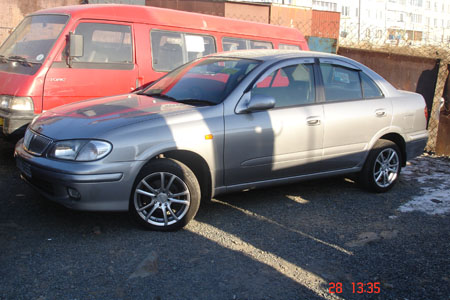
[165,196]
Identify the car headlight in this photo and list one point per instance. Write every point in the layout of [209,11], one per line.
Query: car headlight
[16,103]
[80,150]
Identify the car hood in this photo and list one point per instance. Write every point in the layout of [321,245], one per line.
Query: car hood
[92,118]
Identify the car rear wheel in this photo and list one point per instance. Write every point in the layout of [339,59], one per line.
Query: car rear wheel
[165,196]
[382,167]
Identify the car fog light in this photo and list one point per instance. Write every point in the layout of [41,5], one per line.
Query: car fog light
[73,193]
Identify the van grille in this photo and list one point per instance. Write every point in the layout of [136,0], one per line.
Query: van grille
[35,143]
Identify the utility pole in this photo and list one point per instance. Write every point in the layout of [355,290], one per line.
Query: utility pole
[359,21]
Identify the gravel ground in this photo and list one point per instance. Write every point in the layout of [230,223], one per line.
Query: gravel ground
[286,242]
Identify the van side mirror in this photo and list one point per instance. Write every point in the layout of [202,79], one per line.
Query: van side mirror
[258,102]
[76,47]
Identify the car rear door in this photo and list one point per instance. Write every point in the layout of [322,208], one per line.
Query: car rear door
[107,67]
[280,142]
[355,110]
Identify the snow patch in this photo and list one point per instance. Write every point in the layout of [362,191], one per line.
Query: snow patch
[433,174]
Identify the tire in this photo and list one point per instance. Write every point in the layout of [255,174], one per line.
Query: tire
[382,167]
[169,206]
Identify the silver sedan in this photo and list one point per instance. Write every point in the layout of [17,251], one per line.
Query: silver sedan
[219,124]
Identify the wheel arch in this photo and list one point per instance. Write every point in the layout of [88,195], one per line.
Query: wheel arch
[197,164]
[399,141]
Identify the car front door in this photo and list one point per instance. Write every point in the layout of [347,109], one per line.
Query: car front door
[106,68]
[280,142]
[355,110]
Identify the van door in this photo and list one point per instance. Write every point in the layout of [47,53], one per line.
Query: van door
[107,67]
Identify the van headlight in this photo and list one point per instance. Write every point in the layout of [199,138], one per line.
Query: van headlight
[80,150]
[16,103]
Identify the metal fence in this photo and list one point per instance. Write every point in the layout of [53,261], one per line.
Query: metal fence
[410,60]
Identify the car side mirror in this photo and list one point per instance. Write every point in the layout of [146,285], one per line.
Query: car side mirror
[76,47]
[258,102]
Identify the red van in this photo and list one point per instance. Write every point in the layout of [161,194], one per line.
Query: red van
[66,54]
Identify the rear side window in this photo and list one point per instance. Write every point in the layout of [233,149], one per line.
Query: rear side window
[288,47]
[370,88]
[172,49]
[340,83]
[105,43]
[232,44]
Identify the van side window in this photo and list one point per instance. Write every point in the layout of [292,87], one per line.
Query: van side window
[231,44]
[172,49]
[105,43]
[288,47]
[260,45]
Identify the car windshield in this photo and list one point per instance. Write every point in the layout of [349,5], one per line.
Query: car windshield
[206,81]
[33,38]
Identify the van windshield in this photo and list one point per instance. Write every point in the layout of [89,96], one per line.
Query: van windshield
[206,81]
[32,40]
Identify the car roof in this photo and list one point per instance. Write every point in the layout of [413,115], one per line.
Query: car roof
[274,54]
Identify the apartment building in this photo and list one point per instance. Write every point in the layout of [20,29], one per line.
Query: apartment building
[387,21]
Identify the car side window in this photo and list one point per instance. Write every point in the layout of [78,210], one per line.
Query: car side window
[171,49]
[370,88]
[290,86]
[340,83]
[105,43]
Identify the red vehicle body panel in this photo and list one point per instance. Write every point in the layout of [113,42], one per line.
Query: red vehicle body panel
[56,84]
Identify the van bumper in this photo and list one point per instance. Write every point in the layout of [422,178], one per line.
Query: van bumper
[14,122]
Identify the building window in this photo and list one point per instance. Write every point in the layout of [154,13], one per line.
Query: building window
[416,18]
[346,11]
[416,2]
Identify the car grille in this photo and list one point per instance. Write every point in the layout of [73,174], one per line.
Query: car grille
[35,143]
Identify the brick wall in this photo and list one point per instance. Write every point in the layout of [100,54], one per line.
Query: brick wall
[12,12]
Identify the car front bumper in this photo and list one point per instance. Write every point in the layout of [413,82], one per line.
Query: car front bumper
[89,186]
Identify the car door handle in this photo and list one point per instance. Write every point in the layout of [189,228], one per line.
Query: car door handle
[380,113]
[313,121]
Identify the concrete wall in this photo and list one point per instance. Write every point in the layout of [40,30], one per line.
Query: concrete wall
[12,12]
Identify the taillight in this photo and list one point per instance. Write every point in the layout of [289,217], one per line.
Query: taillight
[425,110]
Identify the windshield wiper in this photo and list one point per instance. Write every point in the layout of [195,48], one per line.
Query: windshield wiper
[22,60]
[196,101]
[159,95]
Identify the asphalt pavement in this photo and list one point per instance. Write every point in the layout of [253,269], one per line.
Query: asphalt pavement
[288,242]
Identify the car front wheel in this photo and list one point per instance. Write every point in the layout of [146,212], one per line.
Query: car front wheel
[165,196]
[382,167]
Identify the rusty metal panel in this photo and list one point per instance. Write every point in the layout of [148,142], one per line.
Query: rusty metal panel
[410,73]
[443,135]
[294,17]
[322,44]
[216,8]
[325,24]
[247,12]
